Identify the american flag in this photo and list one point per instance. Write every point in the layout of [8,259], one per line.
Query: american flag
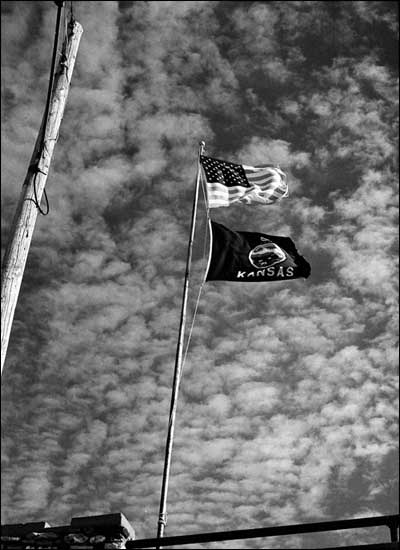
[227,183]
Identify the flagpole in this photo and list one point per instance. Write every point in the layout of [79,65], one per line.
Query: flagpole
[162,521]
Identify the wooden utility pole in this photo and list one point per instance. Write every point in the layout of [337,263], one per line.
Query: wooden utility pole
[32,190]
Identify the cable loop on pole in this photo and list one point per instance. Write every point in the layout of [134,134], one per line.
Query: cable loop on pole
[37,202]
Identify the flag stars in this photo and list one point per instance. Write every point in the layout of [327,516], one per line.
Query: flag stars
[227,173]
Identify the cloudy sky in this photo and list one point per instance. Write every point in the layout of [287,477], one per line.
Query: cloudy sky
[288,408]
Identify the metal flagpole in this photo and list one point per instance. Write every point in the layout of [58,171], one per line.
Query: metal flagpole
[162,521]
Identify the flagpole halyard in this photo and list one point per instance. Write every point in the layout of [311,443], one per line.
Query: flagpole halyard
[162,521]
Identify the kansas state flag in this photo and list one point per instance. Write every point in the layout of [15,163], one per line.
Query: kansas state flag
[253,257]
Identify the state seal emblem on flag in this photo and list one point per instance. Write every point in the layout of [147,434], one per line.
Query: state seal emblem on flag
[266,254]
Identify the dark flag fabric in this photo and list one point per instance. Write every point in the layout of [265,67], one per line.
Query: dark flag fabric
[228,183]
[245,256]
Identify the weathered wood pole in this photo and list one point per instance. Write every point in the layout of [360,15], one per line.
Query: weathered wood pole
[32,190]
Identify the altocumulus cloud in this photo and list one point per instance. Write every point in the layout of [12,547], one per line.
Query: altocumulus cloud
[287,408]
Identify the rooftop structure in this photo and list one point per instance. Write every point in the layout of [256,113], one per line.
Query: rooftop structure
[114,532]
